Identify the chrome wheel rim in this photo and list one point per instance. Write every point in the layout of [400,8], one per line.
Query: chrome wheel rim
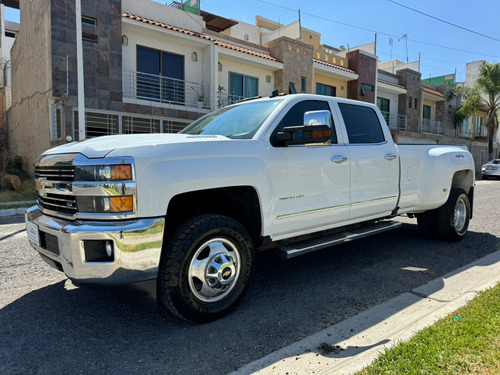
[214,270]
[460,216]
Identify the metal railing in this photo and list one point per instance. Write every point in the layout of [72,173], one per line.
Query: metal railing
[430,126]
[224,99]
[157,88]
[111,123]
[467,131]
[395,121]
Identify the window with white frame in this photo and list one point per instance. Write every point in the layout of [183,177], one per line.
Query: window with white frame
[242,86]
[479,125]
[56,120]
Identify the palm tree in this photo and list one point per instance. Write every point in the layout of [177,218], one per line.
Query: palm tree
[484,95]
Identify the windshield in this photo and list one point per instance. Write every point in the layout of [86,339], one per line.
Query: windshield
[236,122]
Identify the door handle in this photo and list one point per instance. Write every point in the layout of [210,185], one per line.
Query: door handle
[339,159]
[390,157]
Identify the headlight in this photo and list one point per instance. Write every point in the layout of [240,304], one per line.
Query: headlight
[103,188]
[120,172]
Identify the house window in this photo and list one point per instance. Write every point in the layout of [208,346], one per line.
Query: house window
[89,20]
[385,107]
[365,88]
[241,86]
[427,112]
[303,84]
[409,102]
[90,38]
[416,103]
[479,125]
[322,89]
[56,121]
[160,76]
[465,128]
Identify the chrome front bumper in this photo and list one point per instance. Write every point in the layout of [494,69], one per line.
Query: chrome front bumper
[136,247]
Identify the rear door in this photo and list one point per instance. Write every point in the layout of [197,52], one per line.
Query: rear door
[373,160]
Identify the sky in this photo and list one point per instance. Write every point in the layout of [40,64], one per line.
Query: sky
[441,46]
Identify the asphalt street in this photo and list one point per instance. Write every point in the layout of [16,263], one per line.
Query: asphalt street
[50,326]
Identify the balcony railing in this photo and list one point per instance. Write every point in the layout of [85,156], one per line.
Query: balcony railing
[224,99]
[395,121]
[467,130]
[430,126]
[156,88]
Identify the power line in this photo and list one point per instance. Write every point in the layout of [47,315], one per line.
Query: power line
[380,32]
[441,20]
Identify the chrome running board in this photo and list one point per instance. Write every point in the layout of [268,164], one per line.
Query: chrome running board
[308,246]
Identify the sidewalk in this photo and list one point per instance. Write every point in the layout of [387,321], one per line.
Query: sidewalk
[4,212]
[355,343]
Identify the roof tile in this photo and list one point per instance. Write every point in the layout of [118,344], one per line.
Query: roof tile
[334,66]
[217,42]
[391,84]
[431,91]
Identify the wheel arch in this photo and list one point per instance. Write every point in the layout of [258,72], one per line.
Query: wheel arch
[240,203]
[464,179]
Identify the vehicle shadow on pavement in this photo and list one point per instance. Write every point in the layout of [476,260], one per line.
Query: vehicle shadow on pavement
[61,328]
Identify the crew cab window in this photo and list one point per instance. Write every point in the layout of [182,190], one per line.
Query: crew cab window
[295,117]
[362,124]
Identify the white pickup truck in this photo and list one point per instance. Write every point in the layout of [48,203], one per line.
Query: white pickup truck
[293,173]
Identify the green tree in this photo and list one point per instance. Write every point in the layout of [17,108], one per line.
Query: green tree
[485,95]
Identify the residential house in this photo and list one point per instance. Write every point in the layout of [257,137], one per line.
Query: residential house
[154,68]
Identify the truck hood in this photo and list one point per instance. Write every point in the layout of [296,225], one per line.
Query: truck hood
[101,146]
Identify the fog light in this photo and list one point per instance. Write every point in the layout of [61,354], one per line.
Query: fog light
[109,249]
[98,251]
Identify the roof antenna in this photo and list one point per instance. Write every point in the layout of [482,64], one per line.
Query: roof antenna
[274,93]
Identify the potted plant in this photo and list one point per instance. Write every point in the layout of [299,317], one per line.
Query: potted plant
[200,98]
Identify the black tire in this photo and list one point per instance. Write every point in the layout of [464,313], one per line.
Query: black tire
[205,268]
[453,217]
[427,224]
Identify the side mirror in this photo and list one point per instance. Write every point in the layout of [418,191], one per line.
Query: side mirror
[318,118]
[317,128]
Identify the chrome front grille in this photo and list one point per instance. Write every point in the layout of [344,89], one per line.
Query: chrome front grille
[67,187]
[55,173]
[58,202]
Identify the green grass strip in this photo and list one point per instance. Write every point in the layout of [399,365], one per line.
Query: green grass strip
[466,342]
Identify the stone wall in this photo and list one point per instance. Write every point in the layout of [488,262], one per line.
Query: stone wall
[297,58]
[411,80]
[102,59]
[366,67]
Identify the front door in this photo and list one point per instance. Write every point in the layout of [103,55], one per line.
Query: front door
[310,183]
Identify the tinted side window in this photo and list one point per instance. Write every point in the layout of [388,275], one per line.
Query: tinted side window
[362,124]
[295,117]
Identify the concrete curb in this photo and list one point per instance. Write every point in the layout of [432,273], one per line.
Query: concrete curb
[13,211]
[359,340]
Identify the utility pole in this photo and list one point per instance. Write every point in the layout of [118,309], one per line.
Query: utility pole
[405,37]
[79,65]
[300,27]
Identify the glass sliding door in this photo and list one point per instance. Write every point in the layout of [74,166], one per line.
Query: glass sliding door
[160,76]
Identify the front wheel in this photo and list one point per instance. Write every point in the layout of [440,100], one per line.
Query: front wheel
[205,268]
[454,216]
